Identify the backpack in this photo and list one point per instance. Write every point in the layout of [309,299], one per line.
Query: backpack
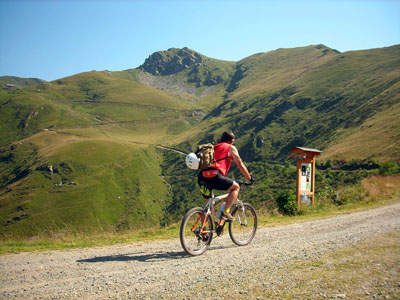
[203,158]
[205,153]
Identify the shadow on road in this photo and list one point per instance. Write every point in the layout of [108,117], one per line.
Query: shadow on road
[154,257]
[136,257]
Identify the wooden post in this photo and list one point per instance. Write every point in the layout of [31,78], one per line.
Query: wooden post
[313,180]
[298,183]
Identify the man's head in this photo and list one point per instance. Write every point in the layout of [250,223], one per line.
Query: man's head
[227,137]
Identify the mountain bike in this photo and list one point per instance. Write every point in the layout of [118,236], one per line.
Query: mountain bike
[200,224]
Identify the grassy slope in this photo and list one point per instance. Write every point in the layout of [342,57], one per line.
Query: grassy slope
[99,137]
[214,69]
[273,70]
[323,98]
[312,96]
[19,82]
[112,99]
[101,189]
[87,99]
[378,138]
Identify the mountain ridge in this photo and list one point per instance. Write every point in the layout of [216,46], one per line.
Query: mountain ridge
[236,70]
[19,82]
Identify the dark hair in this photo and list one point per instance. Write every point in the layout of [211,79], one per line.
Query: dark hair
[227,136]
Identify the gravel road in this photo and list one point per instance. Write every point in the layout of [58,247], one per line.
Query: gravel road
[161,270]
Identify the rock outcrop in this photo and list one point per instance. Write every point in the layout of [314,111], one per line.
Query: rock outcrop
[171,61]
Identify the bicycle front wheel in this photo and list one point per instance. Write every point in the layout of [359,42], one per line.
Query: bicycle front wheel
[243,229]
[193,240]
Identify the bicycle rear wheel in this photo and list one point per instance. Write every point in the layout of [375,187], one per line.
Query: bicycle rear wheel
[192,240]
[243,229]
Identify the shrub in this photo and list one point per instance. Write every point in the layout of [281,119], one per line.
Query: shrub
[389,168]
[287,204]
[338,200]
[350,194]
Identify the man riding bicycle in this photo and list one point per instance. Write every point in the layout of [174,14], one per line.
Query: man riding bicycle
[215,177]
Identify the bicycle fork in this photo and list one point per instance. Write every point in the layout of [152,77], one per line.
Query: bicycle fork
[242,210]
[244,223]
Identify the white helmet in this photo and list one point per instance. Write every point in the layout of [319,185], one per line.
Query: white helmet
[192,161]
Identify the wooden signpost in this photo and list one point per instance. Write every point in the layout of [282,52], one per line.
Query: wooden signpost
[305,179]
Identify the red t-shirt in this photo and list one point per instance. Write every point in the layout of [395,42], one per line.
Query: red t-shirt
[221,151]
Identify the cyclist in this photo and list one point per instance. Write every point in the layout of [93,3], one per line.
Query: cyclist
[215,177]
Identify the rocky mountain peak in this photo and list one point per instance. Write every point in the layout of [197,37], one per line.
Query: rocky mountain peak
[171,61]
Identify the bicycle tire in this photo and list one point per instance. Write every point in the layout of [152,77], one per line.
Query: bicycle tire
[243,230]
[193,242]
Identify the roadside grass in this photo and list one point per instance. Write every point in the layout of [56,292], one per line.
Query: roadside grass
[372,192]
[370,268]
[73,240]
[366,270]
[378,191]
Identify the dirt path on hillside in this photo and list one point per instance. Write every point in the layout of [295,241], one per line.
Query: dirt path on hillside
[161,270]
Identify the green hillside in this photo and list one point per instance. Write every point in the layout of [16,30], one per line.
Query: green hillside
[79,154]
[81,101]
[95,185]
[95,130]
[345,104]
[13,82]
[276,69]
[320,100]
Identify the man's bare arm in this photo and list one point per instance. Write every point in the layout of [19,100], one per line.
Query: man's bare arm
[238,161]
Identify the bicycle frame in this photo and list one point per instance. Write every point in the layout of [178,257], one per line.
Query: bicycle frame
[209,209]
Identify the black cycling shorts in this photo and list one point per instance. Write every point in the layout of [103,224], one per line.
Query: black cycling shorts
[218,182]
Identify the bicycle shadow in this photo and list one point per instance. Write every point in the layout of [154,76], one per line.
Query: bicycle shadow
[153,257]
[142,257]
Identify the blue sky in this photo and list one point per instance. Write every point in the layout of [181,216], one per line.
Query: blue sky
[54,39]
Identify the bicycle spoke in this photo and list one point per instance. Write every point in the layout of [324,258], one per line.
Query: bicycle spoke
[194,238]
[243,229]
